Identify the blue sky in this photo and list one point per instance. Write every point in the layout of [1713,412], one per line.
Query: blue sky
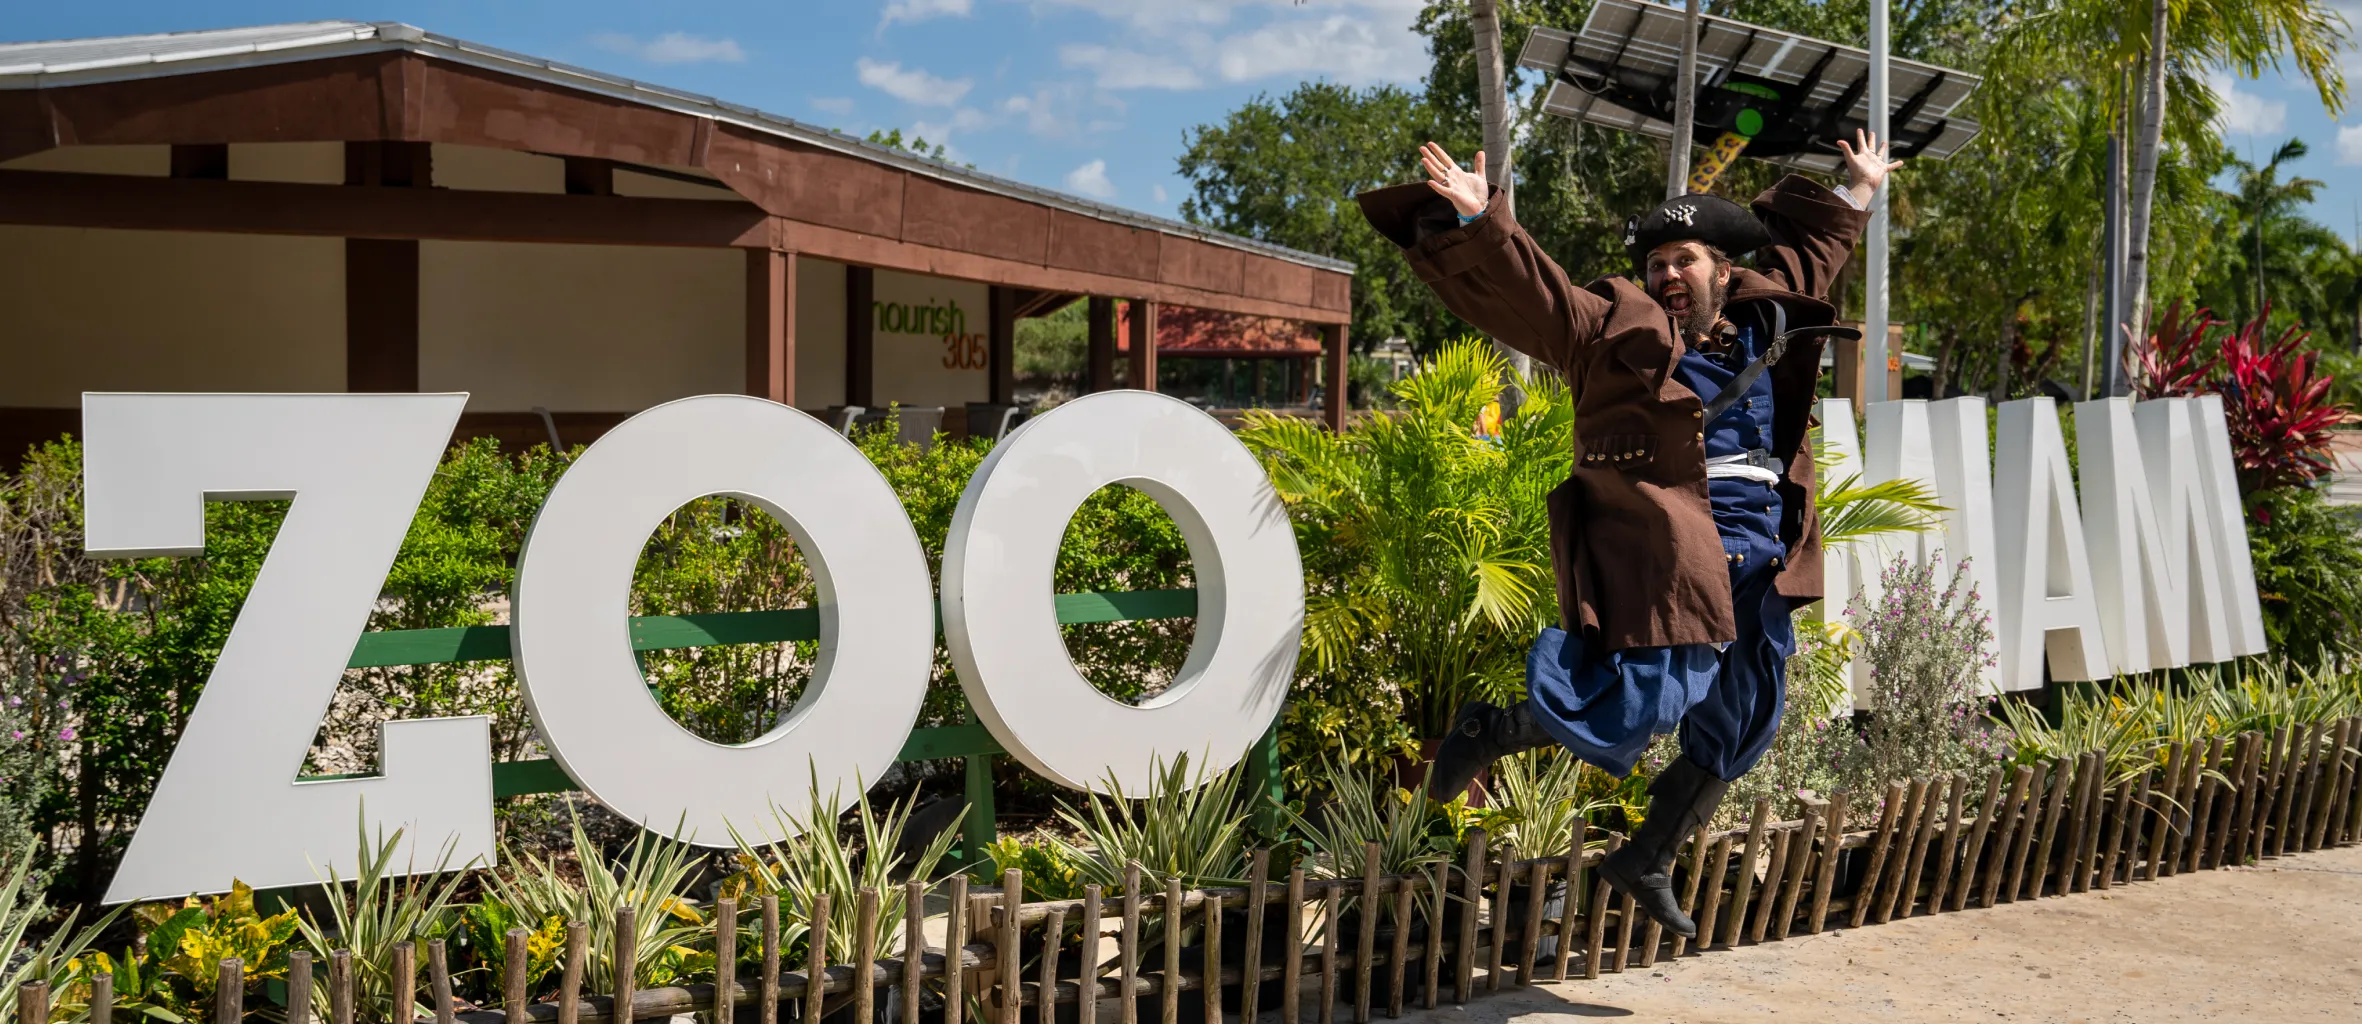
[1089,96]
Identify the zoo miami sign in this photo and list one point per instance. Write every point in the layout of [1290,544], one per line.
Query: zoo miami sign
[2148,568]
[231,804]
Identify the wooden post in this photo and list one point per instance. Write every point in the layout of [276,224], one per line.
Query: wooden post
[1328,956]
[1711,893]
[402,1006]
[1850,355]
[955,938]
[2202,810]
[1497,928]
[1333,355]
[1965,882]
[229,992]
[1291,968]
[2005,844]
[1890,815]
[1211,983]
[1045,991]
[1907,829]
[1765,905]
[2027,825]
[1365,952]
[2062,783]
[860,339]
[1397,965]
[340,987]
[1833,839]
[2078,807]
[1140,345]
[816,960]
[2169,790]
[32,1003]
[1700,847]
[1596,914]
[1942,886]
[513,995]
[1930,811]
[626,958]
[380,274]
[1537,886]
[1008,945]
[1800,864]
[1472,902]
[914,947]
[1250,988]
[1170,984]
[299,988]
[771,325]
[1000,347]
[2277,788]
[1746,884]
[725,918]
[1100,352]
[2115,836]
[578,950]
[438,981]
[1572,902]
[1086,1009]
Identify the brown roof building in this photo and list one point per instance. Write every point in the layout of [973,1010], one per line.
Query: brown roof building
[358,206]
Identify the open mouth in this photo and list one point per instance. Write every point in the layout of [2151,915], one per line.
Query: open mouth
[1676,300]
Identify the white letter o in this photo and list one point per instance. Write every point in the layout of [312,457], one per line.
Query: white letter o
[572,639]
[1000,618]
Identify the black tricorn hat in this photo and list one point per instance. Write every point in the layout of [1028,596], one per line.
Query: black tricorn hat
[1698,217]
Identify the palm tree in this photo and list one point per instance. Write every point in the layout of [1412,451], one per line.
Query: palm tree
[2274,241]
[2175,43]
[1427,546]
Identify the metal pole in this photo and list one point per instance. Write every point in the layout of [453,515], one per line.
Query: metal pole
[1874,314]
[1685,108]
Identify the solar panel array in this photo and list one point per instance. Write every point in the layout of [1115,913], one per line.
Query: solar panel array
[1640,44]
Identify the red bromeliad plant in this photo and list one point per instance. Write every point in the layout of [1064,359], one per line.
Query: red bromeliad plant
[2275,401]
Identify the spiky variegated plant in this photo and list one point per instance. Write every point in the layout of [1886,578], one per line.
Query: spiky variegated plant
[1535,799]
[386,904]
[819,861]
[1365,807]
[1427,547]
[49,959]
[1187,826]
[665,924]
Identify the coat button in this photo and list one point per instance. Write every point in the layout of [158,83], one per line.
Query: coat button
[1698,414]
[1701,435]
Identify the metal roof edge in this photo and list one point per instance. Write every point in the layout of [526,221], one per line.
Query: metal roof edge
[367,37]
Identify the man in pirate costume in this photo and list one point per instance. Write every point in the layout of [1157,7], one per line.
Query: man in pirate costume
[1686,532]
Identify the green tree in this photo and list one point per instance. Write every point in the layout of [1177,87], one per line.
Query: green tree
[1285,171]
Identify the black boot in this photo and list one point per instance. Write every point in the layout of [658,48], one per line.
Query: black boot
[1682,797]
[1481,734]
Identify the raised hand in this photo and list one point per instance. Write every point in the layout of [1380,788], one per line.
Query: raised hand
[1866,165]
[1467,190]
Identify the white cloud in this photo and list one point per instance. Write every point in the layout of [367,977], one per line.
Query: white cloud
[671,48]
[1186,44]
[2245,112]
[1091,180]
[912,86]
[2349,145]
[913,11]
[1156,192]
[839,105]
[961,122]
[1354,50]
[1129,69]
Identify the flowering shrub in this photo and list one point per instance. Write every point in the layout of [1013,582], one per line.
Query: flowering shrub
[1925,648]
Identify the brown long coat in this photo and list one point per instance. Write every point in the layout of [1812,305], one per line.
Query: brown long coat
[1638,559]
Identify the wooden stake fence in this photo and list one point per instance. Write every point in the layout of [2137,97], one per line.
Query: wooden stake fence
[1372,942]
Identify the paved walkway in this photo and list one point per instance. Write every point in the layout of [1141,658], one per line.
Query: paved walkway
[2345,486]
[2282,942]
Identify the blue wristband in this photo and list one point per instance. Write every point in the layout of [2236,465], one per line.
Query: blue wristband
[1469,218]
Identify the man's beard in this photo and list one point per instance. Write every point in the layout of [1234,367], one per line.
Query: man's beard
[1705,309]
